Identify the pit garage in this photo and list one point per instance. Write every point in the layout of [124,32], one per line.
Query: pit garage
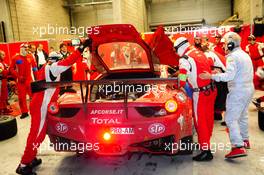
[137,87]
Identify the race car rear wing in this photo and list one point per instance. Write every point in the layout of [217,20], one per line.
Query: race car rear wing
[39,86]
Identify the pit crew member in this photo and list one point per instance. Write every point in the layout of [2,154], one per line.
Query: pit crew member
[192,63]
[239,75]
[3,85]
[21,68]
[218,47]
[255,51]
[50,72]
[222,90]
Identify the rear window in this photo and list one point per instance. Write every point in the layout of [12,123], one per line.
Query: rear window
[123,55]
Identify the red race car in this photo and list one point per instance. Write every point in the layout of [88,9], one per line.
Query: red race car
[132,107]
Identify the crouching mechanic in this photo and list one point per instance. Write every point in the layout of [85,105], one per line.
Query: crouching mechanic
[193,62]
[239,75]
[50,73]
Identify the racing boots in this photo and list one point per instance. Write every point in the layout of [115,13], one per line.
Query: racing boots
[28,169]
[246,144]
[223,123]
[218,116]
[35,162]
[257,102]
[205,155]
[236,152]
[24,115]
[25,170]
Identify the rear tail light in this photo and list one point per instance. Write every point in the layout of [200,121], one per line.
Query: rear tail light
[157,111]
[107,136]
[171,106]
[53,108]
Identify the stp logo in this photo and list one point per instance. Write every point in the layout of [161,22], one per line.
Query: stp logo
[61,128]
[156,128]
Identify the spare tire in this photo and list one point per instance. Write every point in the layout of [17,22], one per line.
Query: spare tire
[8,127]
[261,118]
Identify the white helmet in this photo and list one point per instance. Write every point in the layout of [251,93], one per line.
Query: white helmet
[180,45]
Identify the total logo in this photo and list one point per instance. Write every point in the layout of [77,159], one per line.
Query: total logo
[156,128]
[61,128]
[100,121]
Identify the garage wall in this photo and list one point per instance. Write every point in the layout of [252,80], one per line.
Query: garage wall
[5,16]
[119,11]
[93,15]
[248,9]
[243,9]
[213,11]
[134,12]
[25,14]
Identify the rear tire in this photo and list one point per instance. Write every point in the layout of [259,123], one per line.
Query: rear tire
[261,118]
[8,127]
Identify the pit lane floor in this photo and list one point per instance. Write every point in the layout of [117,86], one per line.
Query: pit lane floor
[70,164]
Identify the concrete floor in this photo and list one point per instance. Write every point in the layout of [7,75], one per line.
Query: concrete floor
[70,164]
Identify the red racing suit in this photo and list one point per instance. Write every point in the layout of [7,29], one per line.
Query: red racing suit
[40,102]
[3,86]
[84,71]
[222,89]
[259,79]
[219,48]
[255,52]
[21,68]
[193,63]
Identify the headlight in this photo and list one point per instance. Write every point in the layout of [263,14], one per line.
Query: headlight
[171,105]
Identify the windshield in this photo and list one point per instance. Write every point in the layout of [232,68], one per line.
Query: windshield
[123,55]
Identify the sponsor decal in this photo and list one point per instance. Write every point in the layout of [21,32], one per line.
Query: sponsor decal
[19,61]
[181,121]
[61,127]
[100,121]
[110,111]
[156,128]
[124,131]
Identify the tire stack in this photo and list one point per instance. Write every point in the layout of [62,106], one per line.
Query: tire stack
[261,118]
[8,127]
